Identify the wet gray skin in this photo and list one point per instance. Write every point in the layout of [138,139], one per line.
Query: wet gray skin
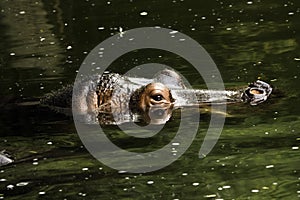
[115,99]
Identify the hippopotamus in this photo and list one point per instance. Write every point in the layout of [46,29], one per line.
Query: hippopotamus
[111,98]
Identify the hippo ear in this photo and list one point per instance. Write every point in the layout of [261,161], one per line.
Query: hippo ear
[169,78]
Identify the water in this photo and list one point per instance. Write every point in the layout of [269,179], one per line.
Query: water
[43,45]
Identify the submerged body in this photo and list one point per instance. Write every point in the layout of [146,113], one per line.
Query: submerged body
[115,99]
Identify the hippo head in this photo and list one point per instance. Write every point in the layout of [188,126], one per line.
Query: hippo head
[154,102]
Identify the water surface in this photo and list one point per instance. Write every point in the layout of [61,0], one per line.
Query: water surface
[43,45]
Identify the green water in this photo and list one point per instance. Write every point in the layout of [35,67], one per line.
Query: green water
[43,44]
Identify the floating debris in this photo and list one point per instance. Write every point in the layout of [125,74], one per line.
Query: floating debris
[255,190]
[10,187]
[4,158]
[42,193]
[269,166]
[81,194]
[144,13]
[210,196]
[226,187]
[173,32]
[150,182]
[121,31]
[196,184]
[21,184]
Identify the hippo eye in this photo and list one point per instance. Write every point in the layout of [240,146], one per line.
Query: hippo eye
[157,97]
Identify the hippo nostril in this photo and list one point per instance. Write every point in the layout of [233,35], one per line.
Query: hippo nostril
[256,91]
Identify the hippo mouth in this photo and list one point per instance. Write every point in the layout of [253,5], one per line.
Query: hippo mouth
[257,92]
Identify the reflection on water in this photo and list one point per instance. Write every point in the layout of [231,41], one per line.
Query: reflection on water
[43,44]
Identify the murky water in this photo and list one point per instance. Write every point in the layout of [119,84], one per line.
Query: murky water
[43,45]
